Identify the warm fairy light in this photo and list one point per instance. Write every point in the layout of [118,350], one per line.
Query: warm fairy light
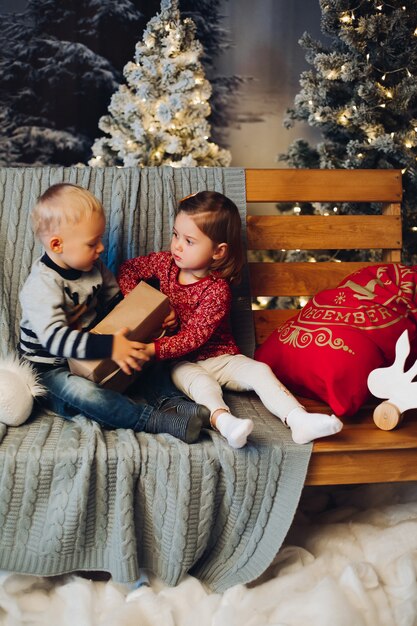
[343,119]
[346,18]
[332,74]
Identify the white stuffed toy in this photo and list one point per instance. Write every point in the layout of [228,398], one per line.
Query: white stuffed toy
[19,385]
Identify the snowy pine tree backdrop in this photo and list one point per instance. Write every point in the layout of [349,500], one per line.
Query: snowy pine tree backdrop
[361,93]
[160,116]
[60,62]
[57,67]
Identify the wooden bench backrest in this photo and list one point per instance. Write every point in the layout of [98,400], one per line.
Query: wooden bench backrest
[317,232]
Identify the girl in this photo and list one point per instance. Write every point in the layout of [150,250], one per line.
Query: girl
[206,256]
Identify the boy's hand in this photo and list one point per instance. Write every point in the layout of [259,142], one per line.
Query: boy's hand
[171,321]
[129,355]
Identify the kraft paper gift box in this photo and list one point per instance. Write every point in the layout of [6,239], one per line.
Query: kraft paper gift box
[143,310]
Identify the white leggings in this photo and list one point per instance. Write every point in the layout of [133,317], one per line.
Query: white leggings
[203,382]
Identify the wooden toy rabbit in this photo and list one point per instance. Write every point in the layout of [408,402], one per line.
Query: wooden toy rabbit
[396,385]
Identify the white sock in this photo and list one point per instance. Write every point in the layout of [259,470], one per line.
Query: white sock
[306,427]
[234,429]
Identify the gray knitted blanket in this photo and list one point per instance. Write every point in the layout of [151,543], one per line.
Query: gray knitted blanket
[76,497]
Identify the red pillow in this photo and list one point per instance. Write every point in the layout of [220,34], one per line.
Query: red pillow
[327,350]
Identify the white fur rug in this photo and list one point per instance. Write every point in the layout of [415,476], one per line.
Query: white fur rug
[349,559]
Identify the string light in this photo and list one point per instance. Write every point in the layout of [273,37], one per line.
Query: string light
[385,73]
[346,18]
[332,74]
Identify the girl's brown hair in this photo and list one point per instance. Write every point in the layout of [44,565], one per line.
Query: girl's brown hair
[218,217]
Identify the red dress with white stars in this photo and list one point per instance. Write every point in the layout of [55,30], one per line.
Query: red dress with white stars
[202,308]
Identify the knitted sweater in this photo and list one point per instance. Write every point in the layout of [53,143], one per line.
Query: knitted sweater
[203,308]
[59,306]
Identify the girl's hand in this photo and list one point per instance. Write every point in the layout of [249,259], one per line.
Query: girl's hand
[171,320]
[129,355]
[149,350]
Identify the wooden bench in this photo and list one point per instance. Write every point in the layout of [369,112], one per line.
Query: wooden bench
[361,453]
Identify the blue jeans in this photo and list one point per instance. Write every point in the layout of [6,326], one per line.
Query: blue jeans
[70,395]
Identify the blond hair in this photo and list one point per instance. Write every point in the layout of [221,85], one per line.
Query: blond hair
[63,203]
[218,217]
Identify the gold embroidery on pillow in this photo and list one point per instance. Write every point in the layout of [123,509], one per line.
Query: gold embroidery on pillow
[300,337]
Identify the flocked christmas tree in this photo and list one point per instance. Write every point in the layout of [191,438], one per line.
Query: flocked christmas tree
[160,116]
[362,95]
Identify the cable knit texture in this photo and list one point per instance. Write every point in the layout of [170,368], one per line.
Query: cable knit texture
[76,497]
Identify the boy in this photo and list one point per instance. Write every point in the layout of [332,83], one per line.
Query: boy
[67,291]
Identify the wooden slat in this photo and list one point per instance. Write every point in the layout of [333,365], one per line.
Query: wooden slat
[319,232]
[362,453]
[267,320]
[298,185]
[298,279]
[368,466]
